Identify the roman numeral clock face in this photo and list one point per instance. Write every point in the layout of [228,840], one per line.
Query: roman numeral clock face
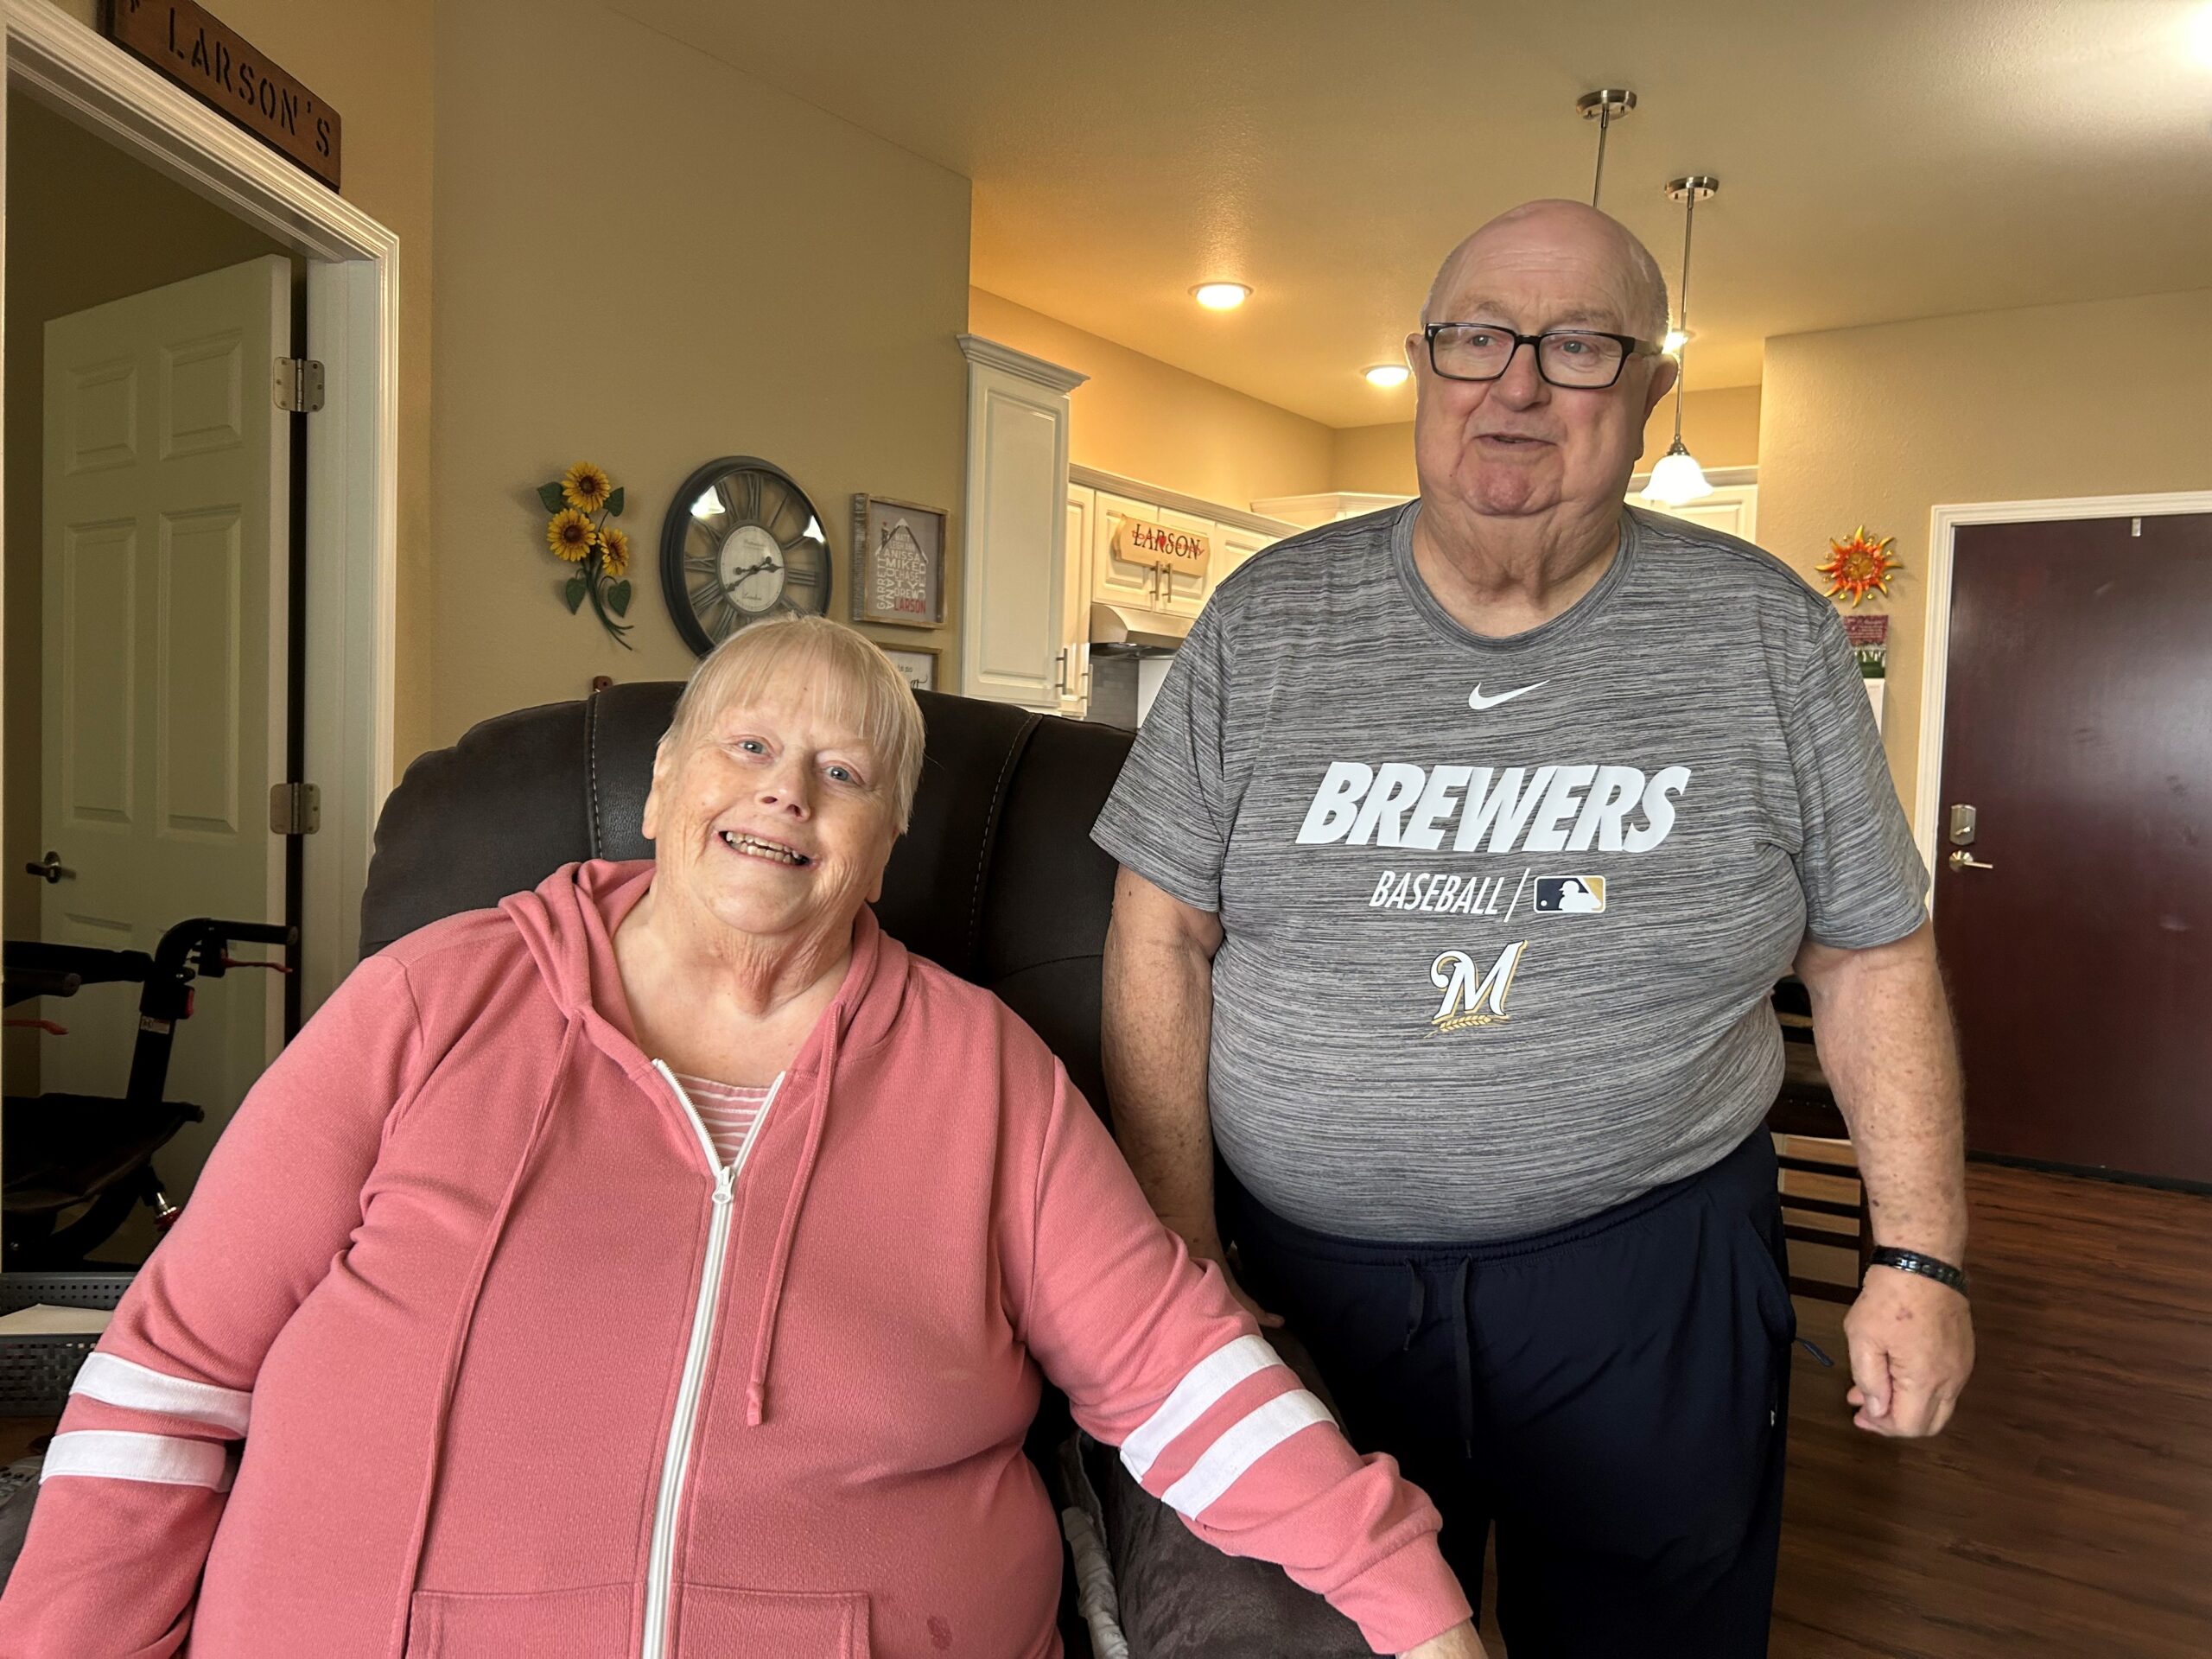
[741,543]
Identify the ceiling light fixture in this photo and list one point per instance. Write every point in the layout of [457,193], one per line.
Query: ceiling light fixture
[1676,339]
[1221,296]
[1387,375]
[2200,34]
[1678,479]
[1604,106]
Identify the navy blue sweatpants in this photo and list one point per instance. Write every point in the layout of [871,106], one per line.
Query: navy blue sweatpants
[1611,1396]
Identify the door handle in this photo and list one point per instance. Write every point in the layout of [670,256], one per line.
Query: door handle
[1061,679]
[51,869]
[1963,859]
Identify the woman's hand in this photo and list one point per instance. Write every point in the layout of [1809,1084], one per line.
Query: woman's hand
[1460,1641]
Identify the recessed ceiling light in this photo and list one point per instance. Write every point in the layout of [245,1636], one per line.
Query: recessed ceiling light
[1221,296]
[1387,375]
[1676,339]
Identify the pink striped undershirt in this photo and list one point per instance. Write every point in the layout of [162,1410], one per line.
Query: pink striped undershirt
[729,1110]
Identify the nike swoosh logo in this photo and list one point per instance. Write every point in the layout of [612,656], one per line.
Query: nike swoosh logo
[1476,701]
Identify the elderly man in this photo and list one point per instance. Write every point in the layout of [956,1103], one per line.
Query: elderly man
[1460,852]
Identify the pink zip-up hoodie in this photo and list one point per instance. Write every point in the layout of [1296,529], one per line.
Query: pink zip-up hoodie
[518,1370]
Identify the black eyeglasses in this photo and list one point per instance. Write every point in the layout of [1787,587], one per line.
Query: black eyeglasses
[1580,360]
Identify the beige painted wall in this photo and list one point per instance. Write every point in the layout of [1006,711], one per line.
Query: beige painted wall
[1142,418]
[86,224]
[650,259]
[1720,426]
[1879,425]
[373,63]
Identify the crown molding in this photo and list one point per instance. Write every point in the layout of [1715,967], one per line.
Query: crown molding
[991,354]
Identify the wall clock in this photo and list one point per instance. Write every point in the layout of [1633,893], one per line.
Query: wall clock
[741,543]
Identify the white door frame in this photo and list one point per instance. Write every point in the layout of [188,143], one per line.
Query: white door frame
[1943,523]
[352,479]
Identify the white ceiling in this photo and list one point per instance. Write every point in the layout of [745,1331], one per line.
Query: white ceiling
[1880,159]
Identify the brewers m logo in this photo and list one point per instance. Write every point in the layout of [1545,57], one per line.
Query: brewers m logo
[1469,1000]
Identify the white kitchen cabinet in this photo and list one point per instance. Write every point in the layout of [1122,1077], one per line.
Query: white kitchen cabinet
[1015,549]
[1232,546]
[1331,508]
[1733,509]
[1183,593]
[1114,580]
[1073,669]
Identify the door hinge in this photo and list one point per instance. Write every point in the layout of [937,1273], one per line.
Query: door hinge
[295,808]
[299,385]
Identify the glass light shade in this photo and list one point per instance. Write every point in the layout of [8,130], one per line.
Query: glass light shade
[1677,479]
[1221,296]
[1387,375]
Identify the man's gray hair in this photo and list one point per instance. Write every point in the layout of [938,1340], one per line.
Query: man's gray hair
[1648,311]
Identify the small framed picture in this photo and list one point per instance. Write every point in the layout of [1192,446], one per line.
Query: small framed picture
[917,662]
[898,563]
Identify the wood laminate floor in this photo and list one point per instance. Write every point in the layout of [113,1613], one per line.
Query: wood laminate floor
[2067,1512]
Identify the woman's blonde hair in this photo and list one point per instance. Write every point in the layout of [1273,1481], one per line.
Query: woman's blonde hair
[845,676]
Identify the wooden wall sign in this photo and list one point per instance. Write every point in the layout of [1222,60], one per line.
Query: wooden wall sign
[1138,542]
[222,68]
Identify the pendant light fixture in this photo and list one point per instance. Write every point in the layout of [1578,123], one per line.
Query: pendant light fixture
[1678,479]
[1604,106]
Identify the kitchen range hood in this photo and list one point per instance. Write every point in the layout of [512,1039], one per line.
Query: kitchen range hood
[1132,624]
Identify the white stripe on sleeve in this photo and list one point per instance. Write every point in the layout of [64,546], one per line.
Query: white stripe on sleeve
[114,1380]
[1200,1390]
[1254,1436]
[164,1460]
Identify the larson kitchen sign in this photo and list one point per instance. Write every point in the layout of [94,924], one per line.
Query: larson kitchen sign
[1161,546]
[222,68]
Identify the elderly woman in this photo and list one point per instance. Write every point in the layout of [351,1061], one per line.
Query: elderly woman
[665,1263]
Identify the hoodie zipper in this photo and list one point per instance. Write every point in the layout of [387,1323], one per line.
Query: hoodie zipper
[660,1560]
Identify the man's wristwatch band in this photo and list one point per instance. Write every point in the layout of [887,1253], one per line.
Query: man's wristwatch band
[1927,1266]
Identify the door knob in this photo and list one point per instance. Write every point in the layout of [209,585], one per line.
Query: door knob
[50,869]
[1963,859]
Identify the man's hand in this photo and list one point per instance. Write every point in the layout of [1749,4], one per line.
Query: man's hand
[1883,1032]
[1460,1641]
[1912,1351]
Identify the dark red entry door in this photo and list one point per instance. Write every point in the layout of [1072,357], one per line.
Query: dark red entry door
[2078,727]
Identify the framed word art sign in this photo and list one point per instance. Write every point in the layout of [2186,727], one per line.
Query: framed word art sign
[898,563]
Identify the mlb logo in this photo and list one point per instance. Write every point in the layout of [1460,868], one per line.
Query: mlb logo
[1570,895]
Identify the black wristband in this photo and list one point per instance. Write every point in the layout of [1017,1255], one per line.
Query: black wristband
[1927,1266]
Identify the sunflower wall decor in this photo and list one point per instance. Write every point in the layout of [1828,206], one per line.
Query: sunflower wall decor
[580,502]
[1861,566]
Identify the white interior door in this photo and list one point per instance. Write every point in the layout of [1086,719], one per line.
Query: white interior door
[167,514]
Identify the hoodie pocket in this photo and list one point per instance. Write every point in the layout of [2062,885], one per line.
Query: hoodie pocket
[793,1624]
[467,1624]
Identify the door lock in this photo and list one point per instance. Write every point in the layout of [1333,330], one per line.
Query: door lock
[1962,825]
[1963,859]
[51,870]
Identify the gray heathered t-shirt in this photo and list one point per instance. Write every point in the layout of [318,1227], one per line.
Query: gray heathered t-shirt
[1502,916]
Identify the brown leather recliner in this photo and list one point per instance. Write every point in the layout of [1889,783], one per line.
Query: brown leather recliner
[998,882]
